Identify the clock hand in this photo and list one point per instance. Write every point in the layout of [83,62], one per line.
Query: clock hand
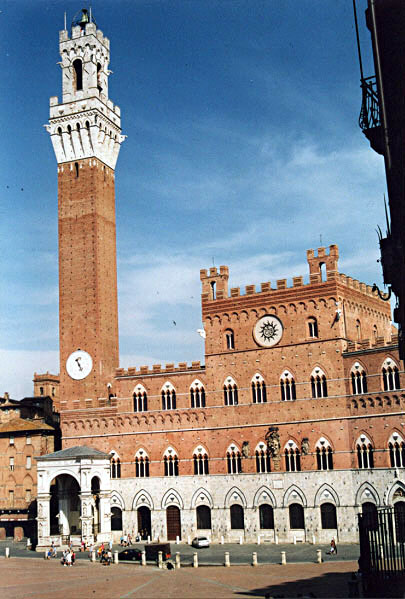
[78,363]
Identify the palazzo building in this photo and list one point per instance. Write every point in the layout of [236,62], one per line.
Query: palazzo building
[294,423]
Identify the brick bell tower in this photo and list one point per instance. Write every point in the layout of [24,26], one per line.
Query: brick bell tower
[85,129]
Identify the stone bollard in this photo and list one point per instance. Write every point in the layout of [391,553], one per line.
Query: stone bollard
[254,558]
[240,540]
[28,543]
[222,539]
[143,558]
[227,560]
[319,556]
[313,540]
[93,556]
[258,539]
[283,558]
[7,552]
[160,559]
[115,557]
[188,540]
[148,540]
[295,540]
[177,560]
[177,540]
[195,560]
[45,554]
[276,539]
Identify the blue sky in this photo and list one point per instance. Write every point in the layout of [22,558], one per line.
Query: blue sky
[243,149]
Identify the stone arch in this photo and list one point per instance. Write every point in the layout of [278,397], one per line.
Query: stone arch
[142,498]
[201,497]
[235,495]
[389,495]
[117,500]
[172,497]
[264,495]
[367,492]
[326,494]
[294,495]
[54,474]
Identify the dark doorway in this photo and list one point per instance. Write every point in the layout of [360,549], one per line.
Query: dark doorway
[237,517]
[116,518]
[144,522]
[203,517]
[399,511]
[266,516]
[173,523]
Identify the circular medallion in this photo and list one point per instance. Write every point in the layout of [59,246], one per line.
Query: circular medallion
[268,331]
[79,365]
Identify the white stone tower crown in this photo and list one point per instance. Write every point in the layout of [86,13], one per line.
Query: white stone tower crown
[86,123]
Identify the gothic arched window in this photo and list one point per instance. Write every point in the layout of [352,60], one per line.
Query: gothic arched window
[359,379]
[197,395]
[292,457]
[140,399]
[390,374]
[396,448]
[319,387]
[171,462]
[200,459]
[141,464]
[115,465]
[258,389]
[287,386]
[262,459]
[168,397]
[365,452]
[230,392]
[233,460]
[324,455]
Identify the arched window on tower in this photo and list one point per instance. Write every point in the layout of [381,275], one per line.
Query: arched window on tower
[292,457]
[168,397]
[287,386]
[396,448]
[263,464]
[197,394]
[324,455]
[365,452]
[359,379]
[230,392]
[140,399]
[358,330]
[99,71]
[141,464]
[171,462]
[390,374]
[258,389]
[115,465]
[77,75]
[375,333]
[229,339]
[319,387]
[233,460]
[312,327]
[200,459]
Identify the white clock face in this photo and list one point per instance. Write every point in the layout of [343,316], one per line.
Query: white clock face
[268,331]
[79,365]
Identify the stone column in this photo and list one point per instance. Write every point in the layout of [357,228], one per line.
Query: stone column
[43,518]
[105,514]
[86,517]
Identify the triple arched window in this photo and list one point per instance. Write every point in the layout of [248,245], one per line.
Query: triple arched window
[292,457]
[359,379]
[319,386]
[287,386]
[197,395]
[396,448]
[230,392]
[258,389]
[262,458]
[141,464]
[324,455]
[200,459]
[140,399]
[115,465]
[365,452]
[233,460]
[171,462]
[168,397]
[390,374]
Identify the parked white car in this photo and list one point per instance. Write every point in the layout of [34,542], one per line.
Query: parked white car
[200,542]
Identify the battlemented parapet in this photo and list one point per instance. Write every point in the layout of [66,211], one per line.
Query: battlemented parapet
[158,369]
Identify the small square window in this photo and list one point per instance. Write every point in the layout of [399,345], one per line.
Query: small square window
[28,463]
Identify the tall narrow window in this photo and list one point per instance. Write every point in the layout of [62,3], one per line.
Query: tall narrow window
[296,516]
[203,517]
[141,464]
[390,374]
[230,392]
[140,399]
[28,462]
[287,386]
[292,457]
[324,455]
[396,448]
[262,459]
[365,457]
[213,290]
[319,387]
[77,75]
[358,330]
[99,71]
[258,389]
[266,516]
[168,397]
[115,465]
[233,460]
[237,517]
[312,327]
[328,515]
[229,339]
[197,395]
[359,379]
[77,169]
[200,459]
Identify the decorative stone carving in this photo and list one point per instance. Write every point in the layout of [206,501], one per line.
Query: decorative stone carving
[273,441]
[245,449]
[305,446]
